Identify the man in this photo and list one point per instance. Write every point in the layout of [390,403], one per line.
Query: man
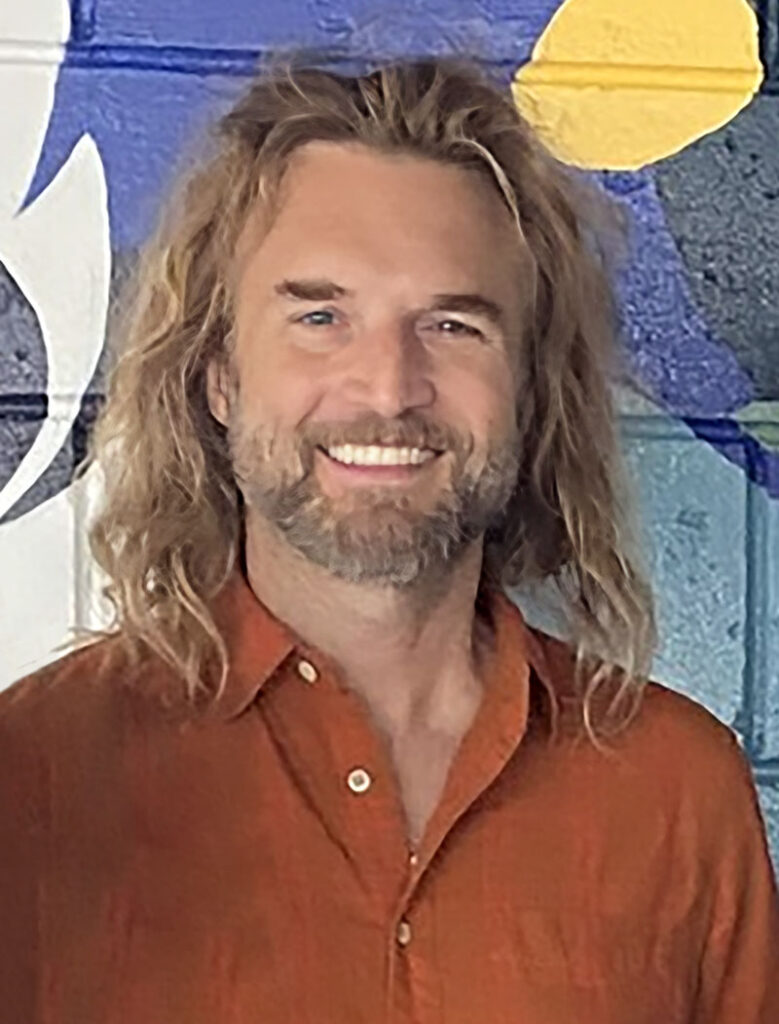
[363,386]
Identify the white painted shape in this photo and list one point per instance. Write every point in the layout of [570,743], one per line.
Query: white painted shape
[50,581]
[92,609]
[36,587]
[27,94]
[58,251]
[36,21]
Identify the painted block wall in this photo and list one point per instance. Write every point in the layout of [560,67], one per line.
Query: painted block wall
[104,97]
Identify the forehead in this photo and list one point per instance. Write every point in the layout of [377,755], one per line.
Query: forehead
[385,212]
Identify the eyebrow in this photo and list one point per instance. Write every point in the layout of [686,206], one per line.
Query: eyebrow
[322,290]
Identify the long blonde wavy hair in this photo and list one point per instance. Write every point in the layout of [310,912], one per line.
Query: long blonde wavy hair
[170,527]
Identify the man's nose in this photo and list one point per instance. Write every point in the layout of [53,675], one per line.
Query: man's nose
[391,371]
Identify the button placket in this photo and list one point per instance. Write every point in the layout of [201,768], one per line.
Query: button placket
[353,760]
[307,671]
[403,934]
[358,780]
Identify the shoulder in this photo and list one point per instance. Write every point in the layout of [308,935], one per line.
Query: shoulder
[47,681]
[669,715]
[698,756]
[61,700]
[690,746]
[673,739]
[676,776]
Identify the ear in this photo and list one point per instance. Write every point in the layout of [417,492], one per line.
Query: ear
[217,390]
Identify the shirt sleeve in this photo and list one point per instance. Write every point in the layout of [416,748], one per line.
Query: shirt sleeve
[739,970]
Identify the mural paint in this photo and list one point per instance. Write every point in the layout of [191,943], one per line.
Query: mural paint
[55,249]
[620,84]
[127,81]
[109,94]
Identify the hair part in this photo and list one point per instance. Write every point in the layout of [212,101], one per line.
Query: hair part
[170,528]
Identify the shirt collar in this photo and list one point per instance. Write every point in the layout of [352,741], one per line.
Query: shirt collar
[258,643]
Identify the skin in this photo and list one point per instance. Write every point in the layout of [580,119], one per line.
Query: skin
[382,578]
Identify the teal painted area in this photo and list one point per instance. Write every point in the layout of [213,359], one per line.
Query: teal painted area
[769,805]
[693,509]
[712,543]
[763,636]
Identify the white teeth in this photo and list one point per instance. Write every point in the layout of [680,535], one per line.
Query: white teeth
[379,455]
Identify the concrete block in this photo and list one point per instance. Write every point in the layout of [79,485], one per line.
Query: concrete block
[762,641]
[721,202]
[693,513]
[769,805]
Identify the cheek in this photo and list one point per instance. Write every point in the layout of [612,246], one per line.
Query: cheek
[487,398]
[279,395]
[503,392]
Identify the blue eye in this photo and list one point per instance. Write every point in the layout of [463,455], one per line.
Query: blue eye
[315,312]
[460,327]
[463,328]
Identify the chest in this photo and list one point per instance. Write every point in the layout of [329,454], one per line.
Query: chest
[421,767]
[198,895]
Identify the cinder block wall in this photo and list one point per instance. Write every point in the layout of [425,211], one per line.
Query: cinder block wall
[105,93]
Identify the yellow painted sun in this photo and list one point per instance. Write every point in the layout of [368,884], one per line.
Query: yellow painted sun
[618,84]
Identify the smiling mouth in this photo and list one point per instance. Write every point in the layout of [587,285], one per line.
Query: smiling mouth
[379,455]
[377,472]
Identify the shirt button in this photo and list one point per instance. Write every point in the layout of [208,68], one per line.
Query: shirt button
[413,858]
[307,671]
[404,933]
[358,780]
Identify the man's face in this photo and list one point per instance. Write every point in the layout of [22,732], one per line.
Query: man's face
[342,338]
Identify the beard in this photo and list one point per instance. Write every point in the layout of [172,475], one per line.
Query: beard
[373,534]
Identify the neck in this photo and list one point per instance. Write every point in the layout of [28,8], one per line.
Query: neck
[413,654]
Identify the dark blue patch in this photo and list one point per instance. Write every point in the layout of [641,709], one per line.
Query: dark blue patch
[673,353]
[141,121]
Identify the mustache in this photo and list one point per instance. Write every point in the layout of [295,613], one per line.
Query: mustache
[406,435]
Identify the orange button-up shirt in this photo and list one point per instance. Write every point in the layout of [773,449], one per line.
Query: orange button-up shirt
[248,864]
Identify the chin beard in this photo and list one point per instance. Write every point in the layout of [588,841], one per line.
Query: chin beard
[378,545]
[384,540]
